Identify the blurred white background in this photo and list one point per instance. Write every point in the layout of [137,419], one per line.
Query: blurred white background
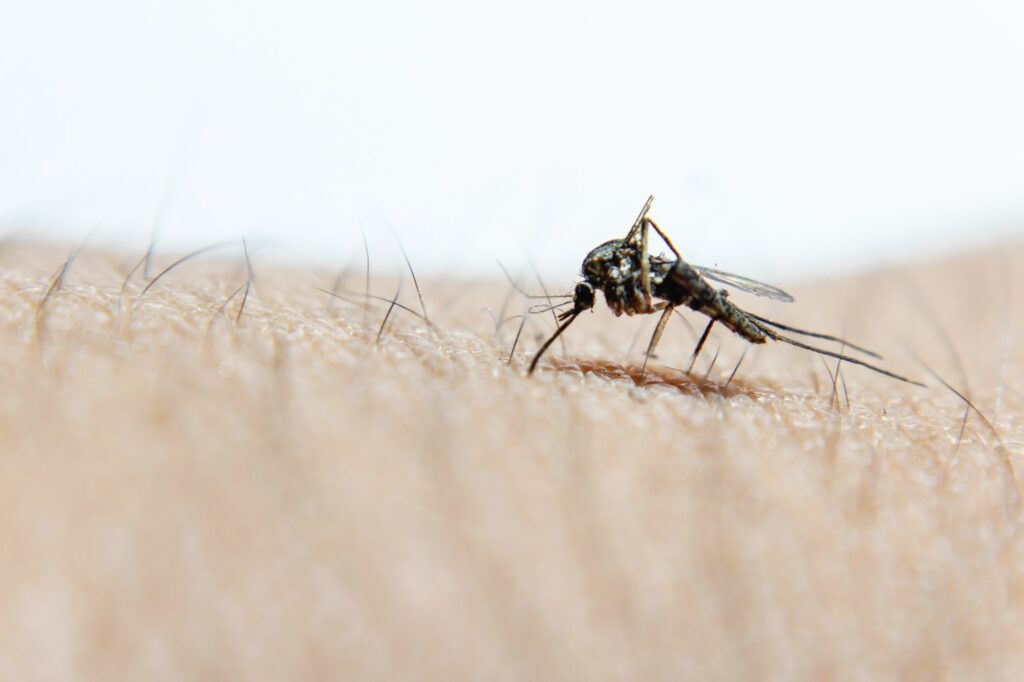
[781,139]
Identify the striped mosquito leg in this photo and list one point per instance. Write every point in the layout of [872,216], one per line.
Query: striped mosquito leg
[700,344]
[656,336]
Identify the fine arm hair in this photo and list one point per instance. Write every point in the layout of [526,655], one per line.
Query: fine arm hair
[313,478]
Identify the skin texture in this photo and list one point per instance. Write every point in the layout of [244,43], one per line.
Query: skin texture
[187,491]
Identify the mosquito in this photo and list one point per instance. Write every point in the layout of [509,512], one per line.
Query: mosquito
[635,282]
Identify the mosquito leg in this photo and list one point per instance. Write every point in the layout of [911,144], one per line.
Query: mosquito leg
[700,344]
[775,336]
[664,237]
[645,265]
[656,336]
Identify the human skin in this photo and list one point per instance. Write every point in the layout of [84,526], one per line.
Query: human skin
[187,491]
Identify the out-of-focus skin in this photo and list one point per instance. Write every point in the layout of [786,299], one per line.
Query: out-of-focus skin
[184,496]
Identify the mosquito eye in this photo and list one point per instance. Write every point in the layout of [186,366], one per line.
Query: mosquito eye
[584,295]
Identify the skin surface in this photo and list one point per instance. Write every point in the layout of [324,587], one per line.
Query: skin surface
[190,492]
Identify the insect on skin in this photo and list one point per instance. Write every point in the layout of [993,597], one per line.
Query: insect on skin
[636,283]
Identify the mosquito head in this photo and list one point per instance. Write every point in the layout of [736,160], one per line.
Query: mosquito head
[582,299]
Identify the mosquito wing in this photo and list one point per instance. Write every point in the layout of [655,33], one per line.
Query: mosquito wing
[751,286]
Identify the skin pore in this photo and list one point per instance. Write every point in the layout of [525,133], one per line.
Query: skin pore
[299,488]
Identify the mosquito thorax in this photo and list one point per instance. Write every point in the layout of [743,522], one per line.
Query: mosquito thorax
[613,262]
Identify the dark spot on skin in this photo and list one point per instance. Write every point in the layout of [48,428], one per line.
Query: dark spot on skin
[653,376]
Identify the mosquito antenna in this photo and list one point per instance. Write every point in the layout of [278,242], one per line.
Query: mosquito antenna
[547,344]
[775,336]
[515,285]
[816,335]
[541,308]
